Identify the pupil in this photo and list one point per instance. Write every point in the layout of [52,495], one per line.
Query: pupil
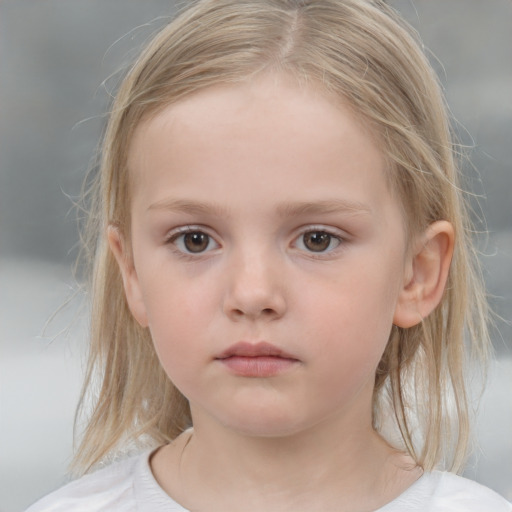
[196,242]
[317,241]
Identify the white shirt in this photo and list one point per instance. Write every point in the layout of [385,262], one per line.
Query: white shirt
[129,486]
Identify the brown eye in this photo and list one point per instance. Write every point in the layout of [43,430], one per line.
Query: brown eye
[193,242]
[196,241]
[319,241]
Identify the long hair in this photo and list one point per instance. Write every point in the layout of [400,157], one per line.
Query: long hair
[359,51]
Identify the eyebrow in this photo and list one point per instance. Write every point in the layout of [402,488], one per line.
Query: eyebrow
[295,209]
[287,209]
[189,206]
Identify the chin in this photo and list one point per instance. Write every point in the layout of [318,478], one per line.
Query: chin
[265,424]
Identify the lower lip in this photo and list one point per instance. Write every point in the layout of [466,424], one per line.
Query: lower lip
[261,366]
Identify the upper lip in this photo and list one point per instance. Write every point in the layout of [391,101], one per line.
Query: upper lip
[259,349]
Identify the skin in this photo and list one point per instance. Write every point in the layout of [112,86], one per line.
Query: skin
[253,170]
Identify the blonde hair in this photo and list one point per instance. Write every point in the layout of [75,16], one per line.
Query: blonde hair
[356,50]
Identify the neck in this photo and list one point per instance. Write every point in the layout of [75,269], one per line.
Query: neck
[326,467]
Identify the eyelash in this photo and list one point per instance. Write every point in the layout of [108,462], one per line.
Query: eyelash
[181,232]
[336,236]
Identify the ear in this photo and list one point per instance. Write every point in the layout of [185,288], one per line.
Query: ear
[428,269]
[131,284]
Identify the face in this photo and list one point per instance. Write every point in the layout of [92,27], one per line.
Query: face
[268,255]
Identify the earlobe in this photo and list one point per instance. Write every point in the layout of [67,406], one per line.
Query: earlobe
[429,267]
[129,275]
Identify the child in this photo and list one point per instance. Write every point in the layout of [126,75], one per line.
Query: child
[283,273]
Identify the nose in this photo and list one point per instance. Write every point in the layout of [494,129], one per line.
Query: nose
[255,288]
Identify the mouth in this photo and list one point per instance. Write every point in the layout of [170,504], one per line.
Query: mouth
[256,360]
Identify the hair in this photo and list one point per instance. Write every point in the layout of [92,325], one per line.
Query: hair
[361,52]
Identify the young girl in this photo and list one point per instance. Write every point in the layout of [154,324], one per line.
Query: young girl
[282,273]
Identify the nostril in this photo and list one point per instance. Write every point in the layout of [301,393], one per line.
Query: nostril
[254,305]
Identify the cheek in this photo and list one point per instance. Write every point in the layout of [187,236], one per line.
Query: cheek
[351,317]
[170,316]
[362,298]
[178,315]
[170,297]
[352,340]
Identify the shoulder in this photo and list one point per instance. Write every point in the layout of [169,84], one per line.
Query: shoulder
[441,491]
[110,488]
[470,496]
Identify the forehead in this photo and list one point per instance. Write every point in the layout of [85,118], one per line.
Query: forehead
[251,100]
[268,134]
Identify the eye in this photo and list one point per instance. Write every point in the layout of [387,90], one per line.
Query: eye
[193,242]
[318,241]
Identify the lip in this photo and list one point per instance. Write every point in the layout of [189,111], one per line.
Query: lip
[260,349]
[260,359]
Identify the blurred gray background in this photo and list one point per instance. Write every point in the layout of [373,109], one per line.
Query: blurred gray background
[54,56]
